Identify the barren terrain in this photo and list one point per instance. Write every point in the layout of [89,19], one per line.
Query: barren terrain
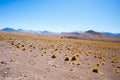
[40,57]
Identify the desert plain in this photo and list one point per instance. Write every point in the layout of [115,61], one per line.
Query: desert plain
[25,56]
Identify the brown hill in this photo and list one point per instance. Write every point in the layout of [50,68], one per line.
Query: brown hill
[90,35]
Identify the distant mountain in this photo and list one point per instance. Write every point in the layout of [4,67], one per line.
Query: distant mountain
[89,35]
[111,34]
[12,30]
[118,35]
[72,33]
[47,32]
[28,31]
[8,29]
[20,30]
[93,32]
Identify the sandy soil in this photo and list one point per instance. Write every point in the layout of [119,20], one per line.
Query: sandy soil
[38,57]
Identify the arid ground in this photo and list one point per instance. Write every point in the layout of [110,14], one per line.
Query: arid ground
[26,56]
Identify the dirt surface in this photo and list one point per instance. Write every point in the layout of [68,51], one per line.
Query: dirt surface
[38,57]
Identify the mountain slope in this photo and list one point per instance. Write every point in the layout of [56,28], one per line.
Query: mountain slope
[90,35]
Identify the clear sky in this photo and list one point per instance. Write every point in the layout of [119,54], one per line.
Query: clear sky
[61,15]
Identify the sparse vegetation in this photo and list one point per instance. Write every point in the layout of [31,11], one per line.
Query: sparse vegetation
[12,42]
[22,45]
[116,70]
[12,60]
[114,60]
[53,56]
[78,63]
[98,64]
[118,66]
[23,49]
[73,58]
[66,58]
[95,69]
[78,55]
[103,63]
[56,53]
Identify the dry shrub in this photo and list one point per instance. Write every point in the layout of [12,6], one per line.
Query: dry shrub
[73,58]
[95,69]
[66,58]
[116,70]
[22,45]
[78,63]
[118,66]
[77,55]
[53,56]
[12,60]
[12,42]
[114,61]
[98,64]
[103,63]
[23,49]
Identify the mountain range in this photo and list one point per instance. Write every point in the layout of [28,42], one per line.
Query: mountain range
[86,33]
[28,31]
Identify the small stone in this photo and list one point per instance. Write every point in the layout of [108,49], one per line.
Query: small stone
[3,62]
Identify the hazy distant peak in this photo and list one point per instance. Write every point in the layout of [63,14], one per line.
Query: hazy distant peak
[92,32]
[8,29]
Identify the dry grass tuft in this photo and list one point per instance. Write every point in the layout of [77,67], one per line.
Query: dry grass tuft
[78,63]
[53,56]
[23,49]
[95,69]
[73,58]
[66,58]
[116,70]
[103,63]
[118,66]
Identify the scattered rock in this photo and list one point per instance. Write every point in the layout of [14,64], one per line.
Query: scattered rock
[3,62]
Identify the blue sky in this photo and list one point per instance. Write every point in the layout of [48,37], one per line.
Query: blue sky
[61,15]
